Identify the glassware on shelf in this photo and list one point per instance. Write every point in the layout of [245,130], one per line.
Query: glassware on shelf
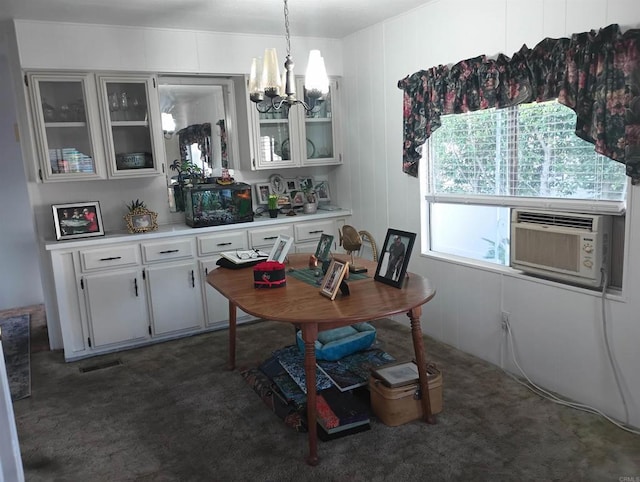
[114,106]
[124,106]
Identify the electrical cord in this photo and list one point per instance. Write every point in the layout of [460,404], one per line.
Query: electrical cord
[550,396]
[608,347]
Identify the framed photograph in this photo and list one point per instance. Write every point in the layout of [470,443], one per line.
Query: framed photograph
[297,198]
[280,248]
[324,247]
[141,220]
[331,282]
[396,251]
[77,220]
[291,185]
[322,189]
[278,186]
[305,183]
[263,189]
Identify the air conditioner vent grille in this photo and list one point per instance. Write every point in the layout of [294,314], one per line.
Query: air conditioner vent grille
[556,219]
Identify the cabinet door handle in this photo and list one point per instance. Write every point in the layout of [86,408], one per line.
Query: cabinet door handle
[111,258]
[317,231]
[223,244]
[193,280]
[135,286]
[270,237]
[169,251]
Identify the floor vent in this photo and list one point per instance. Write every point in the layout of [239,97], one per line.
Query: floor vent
[100,366]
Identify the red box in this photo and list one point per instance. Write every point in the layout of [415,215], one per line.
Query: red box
[269,274]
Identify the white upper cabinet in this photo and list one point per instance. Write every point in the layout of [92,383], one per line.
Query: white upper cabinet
[301,139]
[95,127]
[131,125]
[66,121]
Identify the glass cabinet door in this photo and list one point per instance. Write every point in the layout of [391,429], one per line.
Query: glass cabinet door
[274,147]
[320,129]
[66,126]
[132,125]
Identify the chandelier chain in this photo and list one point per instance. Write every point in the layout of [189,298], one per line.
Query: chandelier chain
[286,26]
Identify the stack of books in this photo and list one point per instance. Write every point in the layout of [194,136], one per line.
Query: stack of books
[341,413]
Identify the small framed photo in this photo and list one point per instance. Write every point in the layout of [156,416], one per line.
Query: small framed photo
[331,282]
[297,198]
[280,248]
[291,184]
[305,183]
[322,189]
[77,220]
[141,220]
[263,189]
[396,251]
[324,247]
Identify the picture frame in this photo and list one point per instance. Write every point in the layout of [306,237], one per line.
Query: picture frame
[331,281]
[297,198]
[394,258]
[291,185]
[141,220]
[322,190]
[263,189]
[305,183]
[324,247]
[280,248]
[77,220]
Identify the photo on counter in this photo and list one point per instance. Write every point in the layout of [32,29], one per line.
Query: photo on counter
[77,220]
[262,192]
[322,189]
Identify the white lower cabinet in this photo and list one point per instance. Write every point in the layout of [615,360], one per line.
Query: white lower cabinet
[112,295]
[116,307]
[175,299]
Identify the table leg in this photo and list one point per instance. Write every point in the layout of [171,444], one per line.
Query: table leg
[232,335]
[418,347]
[310,335]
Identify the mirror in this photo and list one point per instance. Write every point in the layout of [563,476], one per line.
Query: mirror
[198,123]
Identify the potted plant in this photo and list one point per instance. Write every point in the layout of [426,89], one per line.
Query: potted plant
[310,200]
[188,172]
[273,205]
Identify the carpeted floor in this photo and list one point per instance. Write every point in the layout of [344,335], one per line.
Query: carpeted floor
[16,348]
[173,412]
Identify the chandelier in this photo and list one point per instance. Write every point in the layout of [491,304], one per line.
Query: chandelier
[280,92]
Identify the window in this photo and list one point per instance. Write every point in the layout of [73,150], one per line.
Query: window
[482,163]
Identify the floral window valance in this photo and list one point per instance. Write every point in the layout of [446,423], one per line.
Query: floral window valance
[596,74]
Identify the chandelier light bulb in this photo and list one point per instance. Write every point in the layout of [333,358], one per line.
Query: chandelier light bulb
[271,73]
[256,90]
[316,81]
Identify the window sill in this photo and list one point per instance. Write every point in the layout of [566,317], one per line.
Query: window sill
[613,294]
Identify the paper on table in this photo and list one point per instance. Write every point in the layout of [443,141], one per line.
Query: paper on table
[244,255]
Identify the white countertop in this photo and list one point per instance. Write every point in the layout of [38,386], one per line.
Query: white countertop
[168,230]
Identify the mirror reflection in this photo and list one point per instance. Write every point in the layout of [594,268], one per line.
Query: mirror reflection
[196,121]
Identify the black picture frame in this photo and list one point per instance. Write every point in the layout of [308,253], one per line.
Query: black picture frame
[392,253]
[77,220]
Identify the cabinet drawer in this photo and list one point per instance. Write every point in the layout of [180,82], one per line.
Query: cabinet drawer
[113,256]
[313,231]
[221,242]
[260,238]
[167,250]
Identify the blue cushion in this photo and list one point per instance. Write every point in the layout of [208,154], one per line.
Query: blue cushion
[340,342]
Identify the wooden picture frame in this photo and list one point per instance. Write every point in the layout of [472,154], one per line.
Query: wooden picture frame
[324,247]
[263,189]
[141,220]
[280,248]
[331,281]
[322,190]
[77,220]
[394,257]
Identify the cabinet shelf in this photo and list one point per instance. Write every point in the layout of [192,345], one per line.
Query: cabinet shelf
[63,125]
[129,124]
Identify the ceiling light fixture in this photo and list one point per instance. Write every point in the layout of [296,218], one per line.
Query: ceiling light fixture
[265,80]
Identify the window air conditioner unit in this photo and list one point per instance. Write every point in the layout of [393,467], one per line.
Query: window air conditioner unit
[564,246]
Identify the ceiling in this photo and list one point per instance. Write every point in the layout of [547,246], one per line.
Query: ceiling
[308,18]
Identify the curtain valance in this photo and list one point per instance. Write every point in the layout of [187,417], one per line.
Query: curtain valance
[596,74]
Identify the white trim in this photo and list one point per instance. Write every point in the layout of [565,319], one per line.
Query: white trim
[577,205]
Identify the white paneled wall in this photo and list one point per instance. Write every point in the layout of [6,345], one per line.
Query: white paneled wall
[558,331]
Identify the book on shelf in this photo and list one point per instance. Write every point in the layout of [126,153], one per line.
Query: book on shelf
[244,256]
[350,407]
[326,437]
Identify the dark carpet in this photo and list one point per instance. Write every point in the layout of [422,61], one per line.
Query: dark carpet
[173,412]
[15,345]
